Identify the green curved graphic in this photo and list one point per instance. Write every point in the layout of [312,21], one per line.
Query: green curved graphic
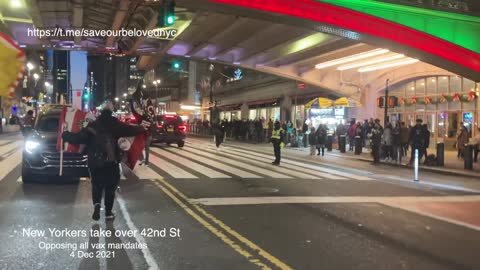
[460,29]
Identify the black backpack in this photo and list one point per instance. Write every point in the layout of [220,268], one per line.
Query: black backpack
[105,151]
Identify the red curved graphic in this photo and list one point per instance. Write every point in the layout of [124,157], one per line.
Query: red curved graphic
[363,23]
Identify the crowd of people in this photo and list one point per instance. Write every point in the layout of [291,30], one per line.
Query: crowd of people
[391,142]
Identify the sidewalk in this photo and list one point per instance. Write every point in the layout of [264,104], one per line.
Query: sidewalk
[453,166]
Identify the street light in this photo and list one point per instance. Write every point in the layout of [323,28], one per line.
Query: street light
[155,83]
[30,66]
[116,99]
[36,76]
[144,86]
[158,81]
[47,84]
[125,94]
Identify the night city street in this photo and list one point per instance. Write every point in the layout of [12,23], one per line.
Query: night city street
[233,212]
[239,134]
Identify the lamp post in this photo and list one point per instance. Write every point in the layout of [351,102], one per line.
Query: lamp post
[385,115]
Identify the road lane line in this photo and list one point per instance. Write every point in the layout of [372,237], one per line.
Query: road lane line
[9,164]
[211,162]
[305,165]
[284,168]
[152,264]
[193,165]
[171,169]
[144,172]
[332,199]
[259,169]
[272,259]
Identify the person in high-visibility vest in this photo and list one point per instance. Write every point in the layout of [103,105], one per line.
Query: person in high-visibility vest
[277,141]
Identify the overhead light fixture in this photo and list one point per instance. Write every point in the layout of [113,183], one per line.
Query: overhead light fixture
[16,3]
[236,63]
[351,58]
[370,62]
[189,108]
[388,65]
[30,66]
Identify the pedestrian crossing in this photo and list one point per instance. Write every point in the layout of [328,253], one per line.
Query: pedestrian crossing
[199,160]
[203,160]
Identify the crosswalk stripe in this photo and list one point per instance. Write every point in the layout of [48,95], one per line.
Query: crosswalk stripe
[144,172]
[9,164]
[246,166]
[192,165]
[285,168]
[281,171]
[169,168]
[211,162]
[305,165]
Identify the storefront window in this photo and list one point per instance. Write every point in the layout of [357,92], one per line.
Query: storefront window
[442,131]
[468,85]
[420,88]
[455,84]
[262,113]
[275,114]
[410,89]
[443,85]
[431,86]
[252,114]
[431,126]
[452,124]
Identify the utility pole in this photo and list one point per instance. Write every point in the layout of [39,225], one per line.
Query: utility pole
[386,105]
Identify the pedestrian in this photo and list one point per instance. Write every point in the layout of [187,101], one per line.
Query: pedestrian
[100,138]
[462,140]
[149,116]
[417,141]
[376,137]
[387,141]
[218,132]
[404,136]
[351,132]
[321,138]
[277,141]
[476,145]
[312,140]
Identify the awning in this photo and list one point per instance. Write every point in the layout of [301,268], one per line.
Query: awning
[263,102]
[322,103]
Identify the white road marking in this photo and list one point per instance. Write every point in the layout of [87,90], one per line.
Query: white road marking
[284,168]
[262,170]
[193,165]
[170,168]
[144,172]
[305,165]
[211,162]
[9,164]
[152,264]
[333,199]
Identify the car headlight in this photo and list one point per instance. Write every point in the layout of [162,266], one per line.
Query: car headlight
[30,146]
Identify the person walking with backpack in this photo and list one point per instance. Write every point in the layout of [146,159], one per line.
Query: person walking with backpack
[100,138]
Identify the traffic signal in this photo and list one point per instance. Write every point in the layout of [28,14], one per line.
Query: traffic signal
[86,95]
[166,14]
[392,102]
[381,102]
[176,65]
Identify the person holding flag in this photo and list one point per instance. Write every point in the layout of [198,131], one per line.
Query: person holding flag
[100,138]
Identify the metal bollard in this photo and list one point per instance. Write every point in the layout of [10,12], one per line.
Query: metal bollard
[440,154]
[416,166]
[468,157]
[329,142]
[358,145]
[343,143]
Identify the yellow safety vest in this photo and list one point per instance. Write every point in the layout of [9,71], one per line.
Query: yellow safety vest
[276,133]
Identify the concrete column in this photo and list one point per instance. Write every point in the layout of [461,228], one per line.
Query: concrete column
[244,111]
[192,83]
[285,108]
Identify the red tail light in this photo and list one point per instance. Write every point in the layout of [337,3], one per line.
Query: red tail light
[159,126]
[182,128]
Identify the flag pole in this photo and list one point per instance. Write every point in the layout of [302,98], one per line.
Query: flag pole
[61,149]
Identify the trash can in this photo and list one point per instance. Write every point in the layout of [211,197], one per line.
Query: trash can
[358,145]
[468,157]
[440,154]
[329,142]
[342,143]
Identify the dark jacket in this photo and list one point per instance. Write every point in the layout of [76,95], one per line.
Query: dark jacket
[321,136]
[312,138]
[417,137]
[107,122]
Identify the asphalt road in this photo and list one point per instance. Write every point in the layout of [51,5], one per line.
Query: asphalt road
[205,208]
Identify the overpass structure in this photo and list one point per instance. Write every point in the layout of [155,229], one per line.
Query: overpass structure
[345,47]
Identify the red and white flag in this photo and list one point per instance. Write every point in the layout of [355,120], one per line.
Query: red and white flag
[73,120]
[135,151]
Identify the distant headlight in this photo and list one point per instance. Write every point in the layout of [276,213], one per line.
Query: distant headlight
[30,146]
